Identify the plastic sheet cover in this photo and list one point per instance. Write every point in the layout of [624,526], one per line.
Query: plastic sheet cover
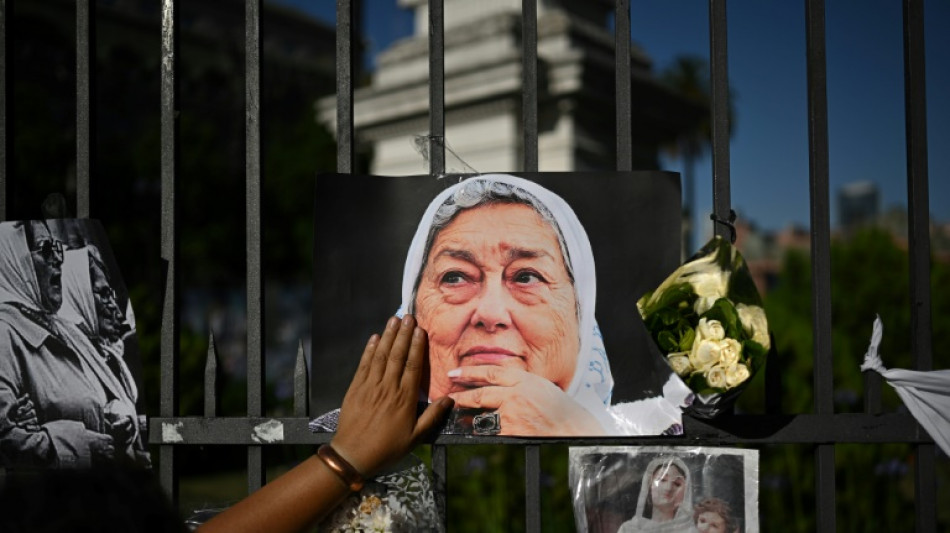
[664,489]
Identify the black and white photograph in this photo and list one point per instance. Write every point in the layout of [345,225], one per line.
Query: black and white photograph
[627,489]
[70,368]
[526,285]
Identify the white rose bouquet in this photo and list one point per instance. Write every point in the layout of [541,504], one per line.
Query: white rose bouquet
[707,319]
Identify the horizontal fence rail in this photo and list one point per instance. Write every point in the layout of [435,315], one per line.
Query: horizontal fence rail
[739,429]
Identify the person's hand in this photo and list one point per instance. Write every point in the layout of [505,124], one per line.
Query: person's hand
[23,414]
[100,445]
[119,423]
[527,404]
[122,429]
[378,424]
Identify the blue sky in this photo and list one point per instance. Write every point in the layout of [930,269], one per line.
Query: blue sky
[766,44]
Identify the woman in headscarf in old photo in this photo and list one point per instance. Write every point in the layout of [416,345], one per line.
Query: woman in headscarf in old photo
[89,302]
[501,275]
[665,501]
[47,363]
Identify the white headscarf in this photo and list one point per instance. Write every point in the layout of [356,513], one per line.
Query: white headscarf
[18,283]
[592,383]
[79,305]
[79,308]
[682,521]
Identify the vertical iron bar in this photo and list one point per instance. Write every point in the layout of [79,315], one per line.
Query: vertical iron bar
[255,308]
[918,197]
[169,173]
[820,224]
[436,88]
[532,482]
[211,379]
[820,253]
[439,471]
[4,190]
[436,167]
[85,60]
[918,208]
[344,85]
[529,77]
[719,66]
[872,393]
[622,86]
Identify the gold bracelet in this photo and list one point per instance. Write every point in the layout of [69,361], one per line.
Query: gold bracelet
[349,475]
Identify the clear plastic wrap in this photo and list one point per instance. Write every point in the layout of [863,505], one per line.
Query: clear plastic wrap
[664,489]
[708,321]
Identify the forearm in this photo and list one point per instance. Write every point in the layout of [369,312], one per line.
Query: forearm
[294,501]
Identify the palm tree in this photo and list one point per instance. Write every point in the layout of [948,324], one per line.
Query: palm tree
[689,77]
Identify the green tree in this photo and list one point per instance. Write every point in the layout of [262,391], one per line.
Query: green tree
[869,276]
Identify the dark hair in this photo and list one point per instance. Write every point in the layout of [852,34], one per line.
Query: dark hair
[717,506]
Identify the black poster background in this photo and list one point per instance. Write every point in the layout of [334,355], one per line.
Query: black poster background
[363,226]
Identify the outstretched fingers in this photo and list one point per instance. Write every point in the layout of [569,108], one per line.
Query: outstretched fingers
[415,362]
[383,347]
[399,354]
[366,360]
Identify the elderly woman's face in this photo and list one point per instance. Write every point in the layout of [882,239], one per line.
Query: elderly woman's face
[107,310]
[47,255]
[495,291]
[669,487]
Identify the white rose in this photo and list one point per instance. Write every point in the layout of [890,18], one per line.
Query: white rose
[729,350]
[710,329]
[762,338]
[736,374]
[704,355]
[716,377]
[754,323]
[679,361]
[712,283]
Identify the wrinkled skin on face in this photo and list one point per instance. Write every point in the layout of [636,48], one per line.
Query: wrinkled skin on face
[48,269]
[107,309]
[495,292]
[667,490]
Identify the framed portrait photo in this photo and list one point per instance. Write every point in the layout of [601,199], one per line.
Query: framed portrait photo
[526,285]
[626,489]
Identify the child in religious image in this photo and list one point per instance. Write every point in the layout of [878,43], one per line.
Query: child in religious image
[713,515]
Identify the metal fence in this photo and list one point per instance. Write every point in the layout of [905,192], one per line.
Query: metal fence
[823,428]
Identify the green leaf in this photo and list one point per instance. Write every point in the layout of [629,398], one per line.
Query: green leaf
[666,342]
[726,314]
[671,298]
[668,316]
[687,338]
[754,353]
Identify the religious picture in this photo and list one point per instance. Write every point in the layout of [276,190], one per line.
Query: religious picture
[626,489]
[503,274]
[70,372]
